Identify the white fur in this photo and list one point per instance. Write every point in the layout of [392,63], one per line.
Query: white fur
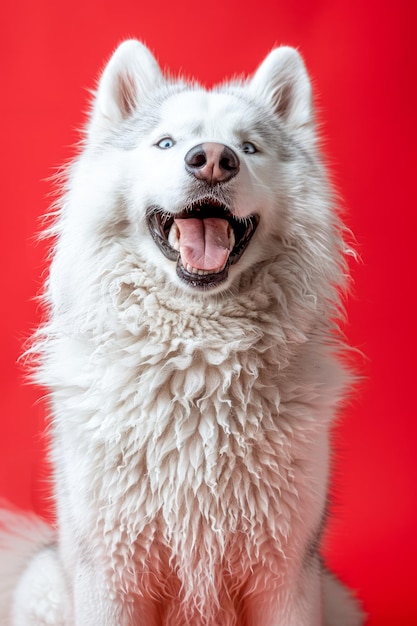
[190,429]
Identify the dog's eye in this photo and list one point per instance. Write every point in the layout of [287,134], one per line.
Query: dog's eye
[249,148]
[166,143]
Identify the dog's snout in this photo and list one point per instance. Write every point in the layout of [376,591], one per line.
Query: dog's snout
[212,162]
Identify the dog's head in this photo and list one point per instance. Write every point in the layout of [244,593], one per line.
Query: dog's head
[202,183]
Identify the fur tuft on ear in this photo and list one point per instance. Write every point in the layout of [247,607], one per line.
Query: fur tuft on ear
[282,81]
[130,75]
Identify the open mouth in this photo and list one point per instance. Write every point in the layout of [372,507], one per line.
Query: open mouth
[205,240]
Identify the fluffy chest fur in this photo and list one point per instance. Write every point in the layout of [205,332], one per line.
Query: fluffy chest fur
[200,429]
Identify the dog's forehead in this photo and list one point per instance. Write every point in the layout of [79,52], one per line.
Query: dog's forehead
[201,111]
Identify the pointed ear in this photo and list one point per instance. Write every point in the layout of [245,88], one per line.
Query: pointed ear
[130,75]
[282,81]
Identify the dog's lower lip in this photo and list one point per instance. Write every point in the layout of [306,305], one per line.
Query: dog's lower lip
[202,281]
[160,223]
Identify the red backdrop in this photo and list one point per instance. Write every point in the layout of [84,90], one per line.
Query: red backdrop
[361,56]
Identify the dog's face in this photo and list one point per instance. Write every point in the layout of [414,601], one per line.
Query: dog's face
[205,188]
[205,175]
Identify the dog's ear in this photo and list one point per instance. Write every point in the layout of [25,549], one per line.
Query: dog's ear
[130,75]
[282,81]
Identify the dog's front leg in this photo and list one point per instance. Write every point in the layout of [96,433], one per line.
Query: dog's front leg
[289,600]
[95,604]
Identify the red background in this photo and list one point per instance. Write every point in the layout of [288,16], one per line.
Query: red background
[361,56]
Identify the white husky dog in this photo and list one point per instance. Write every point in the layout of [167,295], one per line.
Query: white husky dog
[191,353]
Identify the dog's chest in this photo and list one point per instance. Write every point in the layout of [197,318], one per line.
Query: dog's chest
[200,474]
[163,442]
[188,452]
[179,417]
[201,438]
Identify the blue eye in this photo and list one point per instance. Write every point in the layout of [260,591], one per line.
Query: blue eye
[249,148]
[166,143]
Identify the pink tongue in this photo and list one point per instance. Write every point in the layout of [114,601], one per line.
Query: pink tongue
[204,243]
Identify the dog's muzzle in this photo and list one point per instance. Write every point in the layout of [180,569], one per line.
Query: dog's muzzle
[205,238]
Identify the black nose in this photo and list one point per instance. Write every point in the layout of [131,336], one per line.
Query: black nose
[212,162]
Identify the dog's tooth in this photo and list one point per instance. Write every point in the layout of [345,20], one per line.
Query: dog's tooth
[173,237]
[232,239]
[194,270]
